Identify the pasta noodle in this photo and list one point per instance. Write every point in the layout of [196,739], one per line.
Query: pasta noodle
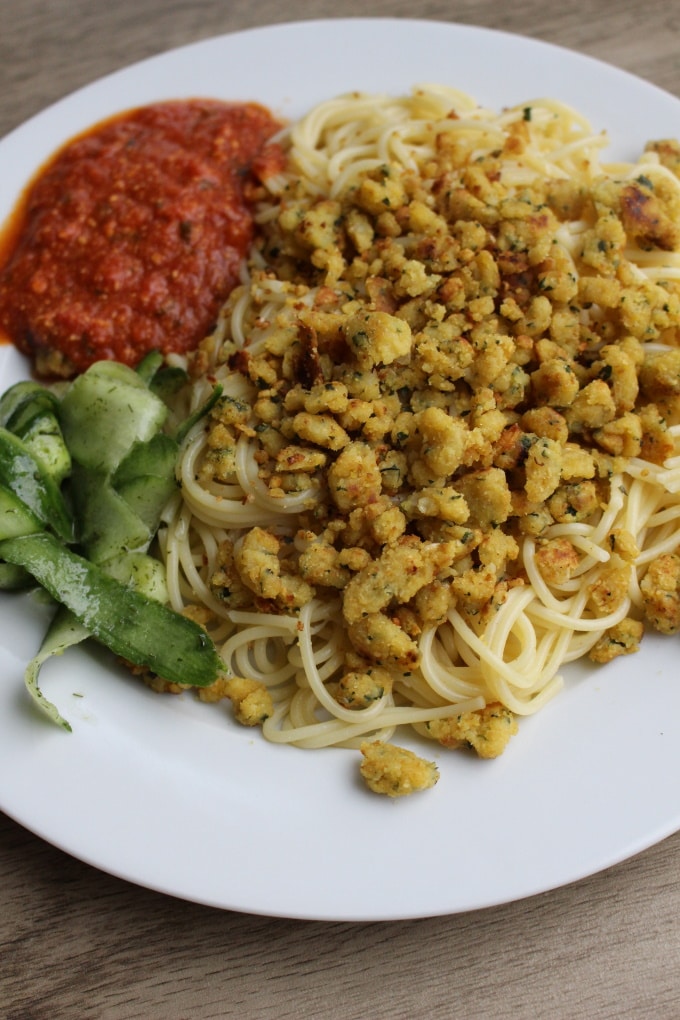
[514,392]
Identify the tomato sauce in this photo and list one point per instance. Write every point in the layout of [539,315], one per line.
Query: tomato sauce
[132,236]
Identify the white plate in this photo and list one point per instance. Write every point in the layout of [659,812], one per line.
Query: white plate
[168,793]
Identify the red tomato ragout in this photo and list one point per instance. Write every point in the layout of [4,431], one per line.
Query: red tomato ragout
[130,239]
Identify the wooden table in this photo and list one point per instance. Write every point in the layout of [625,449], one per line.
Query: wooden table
[77,944]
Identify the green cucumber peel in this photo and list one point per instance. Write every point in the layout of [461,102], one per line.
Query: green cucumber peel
[63,632]
[30,411]
[168,381]
[163,380]
[22,474]
[22,399]
[199,413]
[145,479]
[142,572]
[105,411]
[15,517]
[133,626]
[107,526]
[149,366]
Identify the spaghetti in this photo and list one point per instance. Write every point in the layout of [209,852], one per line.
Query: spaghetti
[446,460]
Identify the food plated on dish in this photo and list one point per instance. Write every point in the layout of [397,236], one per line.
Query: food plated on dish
[144,784]
[420,363]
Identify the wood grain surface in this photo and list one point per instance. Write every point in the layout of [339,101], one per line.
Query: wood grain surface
[79,944]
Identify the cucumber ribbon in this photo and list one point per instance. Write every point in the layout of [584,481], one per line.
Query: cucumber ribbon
[84,479]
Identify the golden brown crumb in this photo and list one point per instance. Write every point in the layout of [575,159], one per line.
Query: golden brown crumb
[395,771]
[622,639]
[660,589]
[251,701]
[487,731]
[358,690]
